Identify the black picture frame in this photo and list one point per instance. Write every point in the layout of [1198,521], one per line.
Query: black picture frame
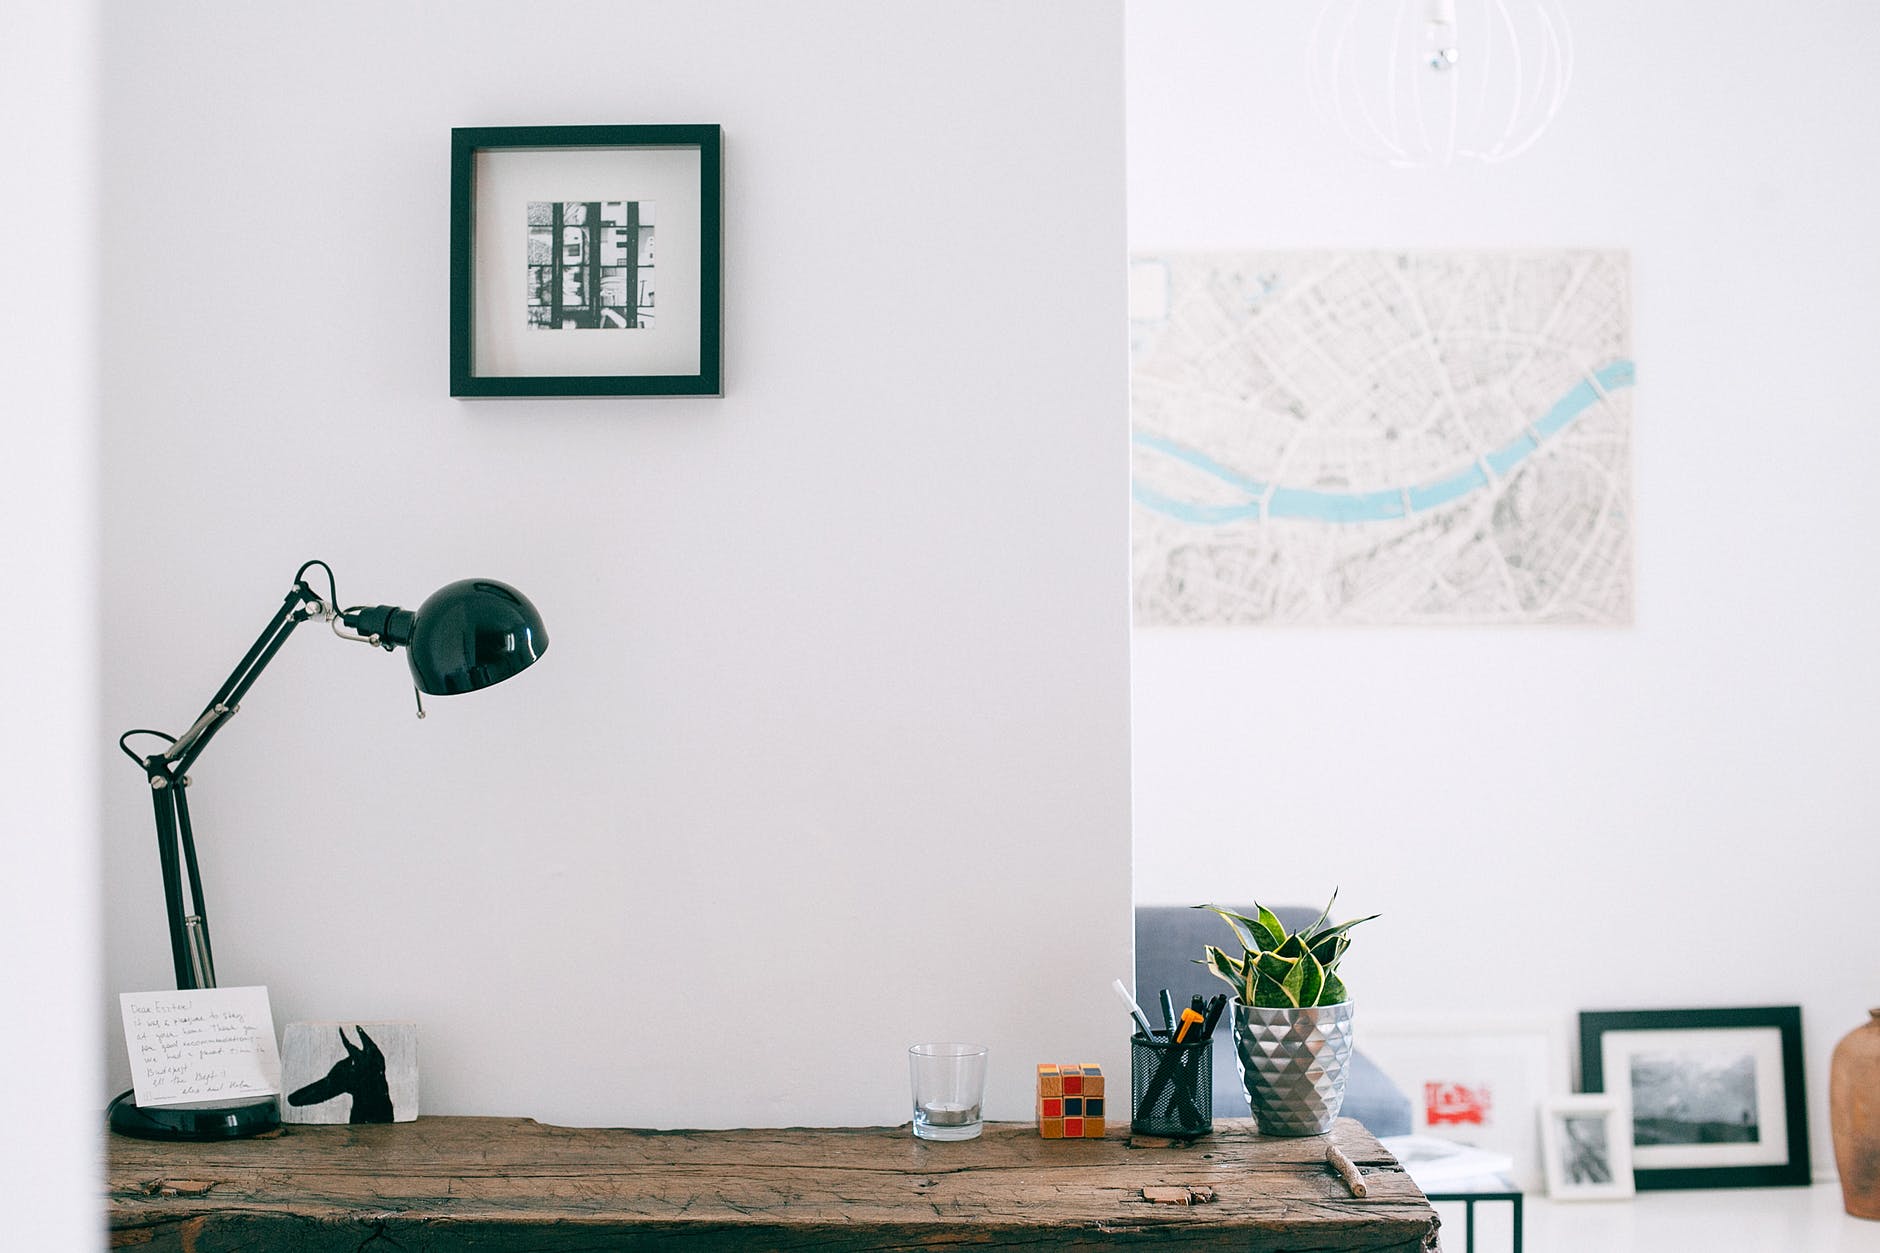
[691,365]
[1662,1028]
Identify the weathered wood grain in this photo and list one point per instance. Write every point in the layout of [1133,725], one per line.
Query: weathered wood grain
[454,1185]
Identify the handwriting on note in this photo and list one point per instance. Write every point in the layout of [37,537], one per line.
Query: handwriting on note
[206,1045]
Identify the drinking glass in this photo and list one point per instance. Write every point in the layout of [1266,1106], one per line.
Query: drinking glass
[949,1085]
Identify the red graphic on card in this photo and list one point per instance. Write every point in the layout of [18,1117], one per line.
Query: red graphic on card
[1456,1103]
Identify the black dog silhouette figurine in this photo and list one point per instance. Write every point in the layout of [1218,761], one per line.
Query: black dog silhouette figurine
[362,1073]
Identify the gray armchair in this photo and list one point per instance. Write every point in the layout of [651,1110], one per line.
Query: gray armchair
[1168,940]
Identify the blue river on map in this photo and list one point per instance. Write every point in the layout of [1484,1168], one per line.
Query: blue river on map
[1321,505]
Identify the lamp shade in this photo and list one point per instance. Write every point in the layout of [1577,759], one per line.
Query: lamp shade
[473,633]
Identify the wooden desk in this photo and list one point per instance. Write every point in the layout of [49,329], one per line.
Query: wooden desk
[449,1184]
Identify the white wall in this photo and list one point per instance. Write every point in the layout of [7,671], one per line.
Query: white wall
[829,752]
[48,511]
[1679,813]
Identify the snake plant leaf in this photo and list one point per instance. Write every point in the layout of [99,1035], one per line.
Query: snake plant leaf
[1324,916]
[1224,967]
[1333,993]
[1311,979]
[1328,949]
[1270,994]
[1254,934]
[1337,932]
[1288,973]
[1295,981]
[1295,946]
[1270,923]
[1273,966]
[1239,923]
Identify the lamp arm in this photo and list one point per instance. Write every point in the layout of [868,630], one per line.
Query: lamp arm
[167,772]
[300,604]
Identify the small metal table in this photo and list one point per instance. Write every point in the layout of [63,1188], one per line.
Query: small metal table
[1499,1188]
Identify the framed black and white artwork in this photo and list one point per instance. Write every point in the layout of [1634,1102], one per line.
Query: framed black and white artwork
[1586,1142]
[585,261]
[1715,1095]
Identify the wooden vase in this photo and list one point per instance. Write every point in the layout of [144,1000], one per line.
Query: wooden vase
[1854,1110]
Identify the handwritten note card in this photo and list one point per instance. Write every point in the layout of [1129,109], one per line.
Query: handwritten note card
[196,1047]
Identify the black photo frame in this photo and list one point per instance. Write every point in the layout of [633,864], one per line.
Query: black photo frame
[1717,1095]
[555,285]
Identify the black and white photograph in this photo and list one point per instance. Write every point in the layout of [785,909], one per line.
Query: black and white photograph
[1698,1096]
[349,1072]
[561,233]
[591,264]
[1587,1147]
[1715,1096]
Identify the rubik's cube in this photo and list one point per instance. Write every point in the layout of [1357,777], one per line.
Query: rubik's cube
[1070,1101]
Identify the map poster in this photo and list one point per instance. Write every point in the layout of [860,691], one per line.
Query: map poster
[1379,438]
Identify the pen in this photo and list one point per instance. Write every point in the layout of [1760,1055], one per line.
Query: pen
[1189,1019]
[1168,1011]
[1135,1010]
[1215,1007]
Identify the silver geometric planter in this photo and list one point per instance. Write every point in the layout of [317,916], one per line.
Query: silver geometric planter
[1292,1064]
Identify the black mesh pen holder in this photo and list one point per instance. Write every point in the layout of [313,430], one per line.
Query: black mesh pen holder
[1171,1086]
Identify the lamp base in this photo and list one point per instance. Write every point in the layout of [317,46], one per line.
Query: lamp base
[232,1121]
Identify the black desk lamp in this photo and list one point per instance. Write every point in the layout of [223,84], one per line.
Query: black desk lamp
[467,635]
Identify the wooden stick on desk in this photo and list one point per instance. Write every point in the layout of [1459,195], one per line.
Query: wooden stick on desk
[1353,1178]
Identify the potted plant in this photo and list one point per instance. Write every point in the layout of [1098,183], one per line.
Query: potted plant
[1292,1017]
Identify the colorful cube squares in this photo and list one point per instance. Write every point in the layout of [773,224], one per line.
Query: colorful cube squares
[1070,1101]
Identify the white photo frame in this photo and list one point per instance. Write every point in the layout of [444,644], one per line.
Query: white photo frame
[1475,1082]
[1586,1142]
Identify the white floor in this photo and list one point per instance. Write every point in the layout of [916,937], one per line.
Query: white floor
[1751,1220]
